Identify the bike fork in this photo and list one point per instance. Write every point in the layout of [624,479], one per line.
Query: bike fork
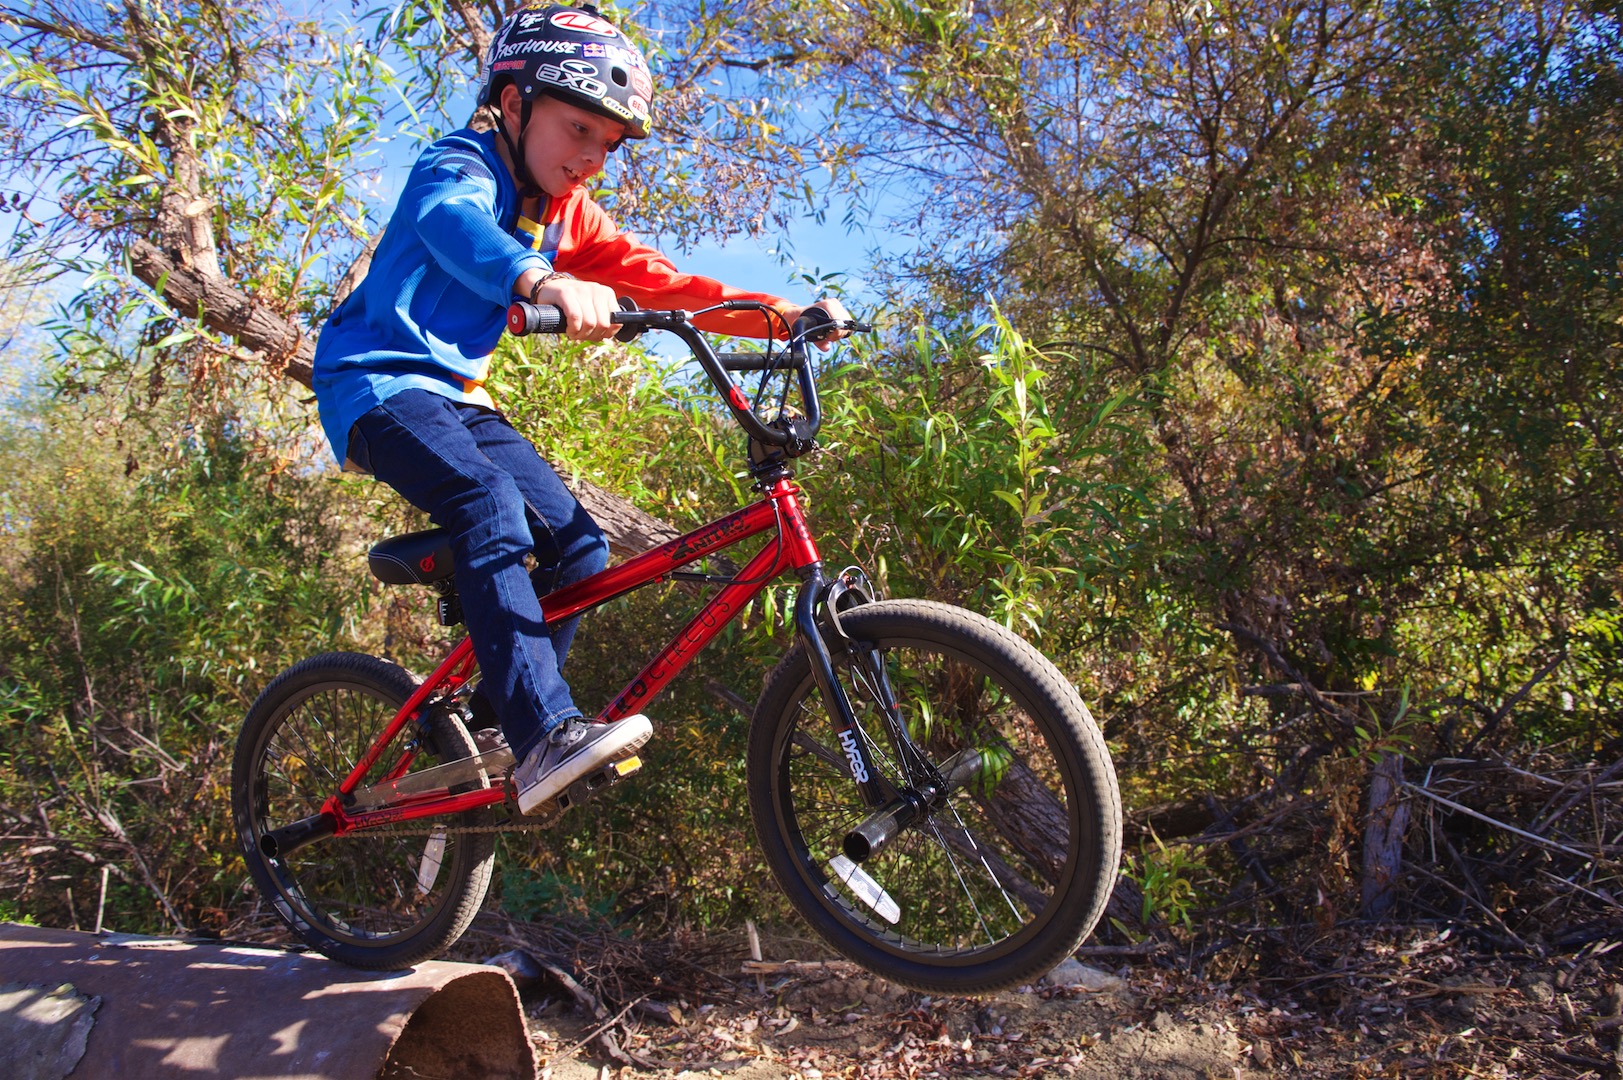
[892,809]
[846,729]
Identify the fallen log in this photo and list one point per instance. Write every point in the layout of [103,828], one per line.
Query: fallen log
[124,1007]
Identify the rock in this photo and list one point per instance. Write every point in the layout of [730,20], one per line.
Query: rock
[1074,973]
[520,966]
[1540,993]
[44,1029]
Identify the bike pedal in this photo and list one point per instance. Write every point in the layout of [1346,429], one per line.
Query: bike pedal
[593,782]
[584,789]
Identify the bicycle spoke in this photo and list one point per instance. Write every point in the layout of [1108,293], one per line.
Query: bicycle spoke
[369,898]
[962,884]
[942,855]
[980,855]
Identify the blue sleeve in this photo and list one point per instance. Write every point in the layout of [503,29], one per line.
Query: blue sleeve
[451,197]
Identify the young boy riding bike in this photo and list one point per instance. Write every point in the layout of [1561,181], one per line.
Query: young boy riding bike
[401,364]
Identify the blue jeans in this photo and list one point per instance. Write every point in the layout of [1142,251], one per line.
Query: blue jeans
[483,482]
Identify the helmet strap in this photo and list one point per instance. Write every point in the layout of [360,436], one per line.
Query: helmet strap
[527,187]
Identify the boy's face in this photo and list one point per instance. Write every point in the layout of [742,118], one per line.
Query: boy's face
[564,145]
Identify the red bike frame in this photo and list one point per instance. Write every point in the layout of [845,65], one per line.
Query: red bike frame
[794,549]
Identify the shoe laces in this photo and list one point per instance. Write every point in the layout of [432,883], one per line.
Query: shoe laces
[570,731]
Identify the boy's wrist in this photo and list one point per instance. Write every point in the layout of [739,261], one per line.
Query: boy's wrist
[540,282]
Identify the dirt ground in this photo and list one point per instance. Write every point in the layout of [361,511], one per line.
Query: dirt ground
[832,1025]
[1422,1006]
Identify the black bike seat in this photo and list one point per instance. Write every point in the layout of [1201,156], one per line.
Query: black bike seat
[419,558]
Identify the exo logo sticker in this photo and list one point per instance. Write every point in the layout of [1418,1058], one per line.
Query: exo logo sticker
[848,742]
[584,23]
[576,75]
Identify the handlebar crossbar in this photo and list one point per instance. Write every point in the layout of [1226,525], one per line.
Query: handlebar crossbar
[754,361]
[524,318]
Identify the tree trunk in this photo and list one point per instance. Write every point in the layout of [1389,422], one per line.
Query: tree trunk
[1383,835]
[227,310]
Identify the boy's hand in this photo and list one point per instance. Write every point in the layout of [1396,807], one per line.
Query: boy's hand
[587,306]
[835,310]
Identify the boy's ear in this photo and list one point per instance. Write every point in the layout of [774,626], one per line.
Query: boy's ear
[512,103]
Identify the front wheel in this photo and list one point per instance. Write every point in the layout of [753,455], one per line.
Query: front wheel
[1009,854]
[371,898]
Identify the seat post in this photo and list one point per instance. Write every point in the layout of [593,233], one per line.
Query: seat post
[450,603]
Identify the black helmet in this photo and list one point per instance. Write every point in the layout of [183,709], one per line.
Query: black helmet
[571,53]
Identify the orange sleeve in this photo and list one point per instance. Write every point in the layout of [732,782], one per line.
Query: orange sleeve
[593,248]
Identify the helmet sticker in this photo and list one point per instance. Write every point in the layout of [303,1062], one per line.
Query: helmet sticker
[615,107]
[629,55]
[637,105]
[582,22]
[594,48]
[576,75]
[535,45]
[641,84]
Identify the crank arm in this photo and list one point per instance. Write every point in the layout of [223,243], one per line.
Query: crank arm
[440,777]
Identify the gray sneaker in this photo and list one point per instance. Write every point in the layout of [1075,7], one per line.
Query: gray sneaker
[574,749]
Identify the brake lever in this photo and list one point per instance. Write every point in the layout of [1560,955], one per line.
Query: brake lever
[821,331]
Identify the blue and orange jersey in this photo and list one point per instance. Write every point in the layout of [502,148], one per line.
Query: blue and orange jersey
[433,304]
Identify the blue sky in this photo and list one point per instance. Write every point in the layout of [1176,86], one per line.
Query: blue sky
[776,264]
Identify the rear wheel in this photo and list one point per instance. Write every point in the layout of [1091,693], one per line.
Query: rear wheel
[995,881]
[370,898]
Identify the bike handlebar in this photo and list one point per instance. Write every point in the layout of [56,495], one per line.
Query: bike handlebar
[524,318]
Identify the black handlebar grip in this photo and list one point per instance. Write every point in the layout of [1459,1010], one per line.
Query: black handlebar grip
[524,317]
[810,320]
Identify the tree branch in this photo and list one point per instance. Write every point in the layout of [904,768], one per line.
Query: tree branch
[222,307]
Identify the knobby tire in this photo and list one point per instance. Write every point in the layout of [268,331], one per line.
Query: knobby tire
[994,888]
[359,898]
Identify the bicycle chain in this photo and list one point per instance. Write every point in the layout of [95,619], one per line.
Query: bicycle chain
[458,830]
[515,823]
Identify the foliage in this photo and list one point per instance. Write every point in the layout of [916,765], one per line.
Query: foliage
[961,485]
[1259,360]
[142,608]
[1166,877]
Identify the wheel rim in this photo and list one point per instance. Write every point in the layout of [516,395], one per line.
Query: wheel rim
[367,888]
[974,880]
